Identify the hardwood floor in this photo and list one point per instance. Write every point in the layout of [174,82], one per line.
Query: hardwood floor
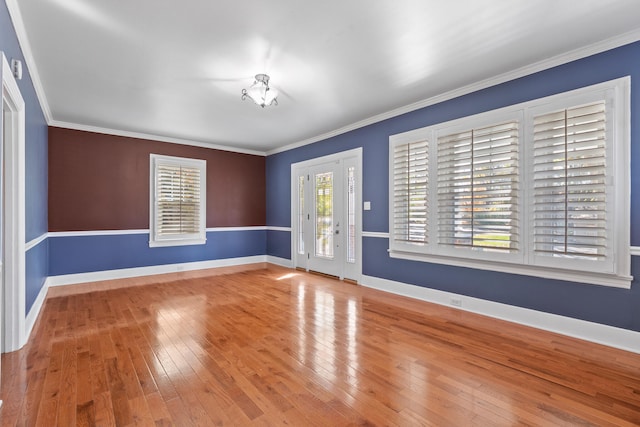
[272,346]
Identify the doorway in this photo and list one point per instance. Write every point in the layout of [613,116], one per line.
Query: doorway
[12,213]
[326,214]
[3,136]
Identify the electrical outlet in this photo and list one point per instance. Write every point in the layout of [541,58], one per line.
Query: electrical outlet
[456,302]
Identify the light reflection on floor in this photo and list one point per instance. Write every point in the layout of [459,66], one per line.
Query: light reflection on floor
[325,329]
[335,352]
[171,322]
[287,276]
[302,324]
[352,349]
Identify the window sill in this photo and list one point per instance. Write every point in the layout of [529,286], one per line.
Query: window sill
[177,242]
[611,280]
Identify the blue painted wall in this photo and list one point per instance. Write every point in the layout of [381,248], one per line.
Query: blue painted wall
[37,270]
[610,306]
[36,163]
[82,254]
[279,243]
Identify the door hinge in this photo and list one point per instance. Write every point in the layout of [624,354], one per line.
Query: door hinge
[307,255]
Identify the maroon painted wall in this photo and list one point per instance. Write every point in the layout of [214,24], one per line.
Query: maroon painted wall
[101,182]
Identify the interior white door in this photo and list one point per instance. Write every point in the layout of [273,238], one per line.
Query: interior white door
[327,216]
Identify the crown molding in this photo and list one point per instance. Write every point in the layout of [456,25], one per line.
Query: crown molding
[152,137]
[25,46]
[555,61]
[18,23]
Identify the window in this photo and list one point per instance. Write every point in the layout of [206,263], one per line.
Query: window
[178,203]
[478,188]
[539,188]
[301,215]
[351,214]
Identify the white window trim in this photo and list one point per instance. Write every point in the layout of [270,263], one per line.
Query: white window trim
[617,95]
[181,240]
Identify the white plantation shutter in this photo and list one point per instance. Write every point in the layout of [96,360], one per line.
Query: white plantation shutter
[178,198]
[410,173]
[178,202]
[478,186]
[541,188]
[570,183]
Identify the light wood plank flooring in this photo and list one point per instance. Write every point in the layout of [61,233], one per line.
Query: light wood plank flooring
[272,346]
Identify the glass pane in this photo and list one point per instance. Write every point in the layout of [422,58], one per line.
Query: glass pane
[324,214]
[301,214]
[351,214]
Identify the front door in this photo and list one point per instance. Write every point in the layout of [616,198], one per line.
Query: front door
[326,215]
[325,219]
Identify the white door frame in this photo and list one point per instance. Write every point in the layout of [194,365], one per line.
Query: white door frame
[13,312]
[356,154]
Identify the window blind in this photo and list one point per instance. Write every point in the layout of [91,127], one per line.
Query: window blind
[178,200]
[569,182]
[478,188]
[410,175]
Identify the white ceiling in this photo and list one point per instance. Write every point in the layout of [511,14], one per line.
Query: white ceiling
[175,69]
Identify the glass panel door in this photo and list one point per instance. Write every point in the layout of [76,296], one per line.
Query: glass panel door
[326,218]
[324,214]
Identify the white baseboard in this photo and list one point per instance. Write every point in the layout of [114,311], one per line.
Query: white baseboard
[623,339]
[96,276]
[30,321]
[283,262]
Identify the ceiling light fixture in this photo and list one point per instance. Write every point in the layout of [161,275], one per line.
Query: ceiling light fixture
[260,92]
